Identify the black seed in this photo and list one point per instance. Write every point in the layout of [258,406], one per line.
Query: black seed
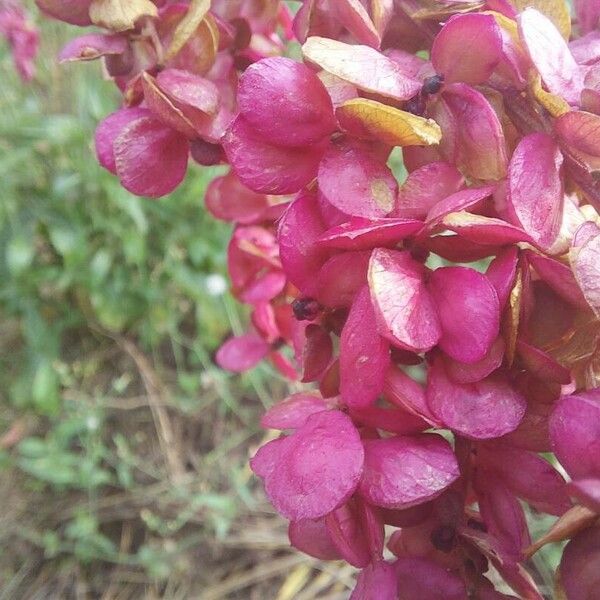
[306,309]
[432,85]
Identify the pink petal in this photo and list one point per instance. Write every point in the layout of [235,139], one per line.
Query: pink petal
[502,272]
[241,353]
[109,129]
[228,199]
[151,159]
[92,46]
[472,135]
[364,355]
[580,565]
[362,66]
[586,267]
[467,49]
[292,412]
[469,312]
[299,228]
[575,433]
[423,578]
[551,55]
[406,312]
[425,187]
[340,278]
[535,196]
[378,581]
[403,471]
[317,468]
[285,102]
[312,537]
[364,234]
[369,188]
[483,410]
[266,168]
[471,373]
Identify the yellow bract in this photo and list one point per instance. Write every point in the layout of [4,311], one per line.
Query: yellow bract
[555,105]
[188,26]
[120,15]
[371,119]
[556,10]
[436,10]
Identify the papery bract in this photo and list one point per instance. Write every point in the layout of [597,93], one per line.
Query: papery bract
[369,188]
[551,55]
[242,353]
[486,409]
[575,433]
[535,196]
[467,49]
[285,102]
[469,312]
[315,470]
[472,136]
[265,167]
[405,310]
[364,354]
[403,471]
[580,565]
[362,66]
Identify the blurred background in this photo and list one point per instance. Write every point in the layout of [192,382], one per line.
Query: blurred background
[123,449]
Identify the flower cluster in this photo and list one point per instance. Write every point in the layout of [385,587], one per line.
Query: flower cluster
[449,322]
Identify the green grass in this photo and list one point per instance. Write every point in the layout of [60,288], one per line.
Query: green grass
[125,449]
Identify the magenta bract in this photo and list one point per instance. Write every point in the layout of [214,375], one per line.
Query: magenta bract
[551,55]
[405,310]
[369,188]
[575,433]
[535,196]
[242,353]
[265,167]
[404,471]
[314,470]
[364,355]
[285,102]
[468,310]
[467,49]
[487,409]
[580,565]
